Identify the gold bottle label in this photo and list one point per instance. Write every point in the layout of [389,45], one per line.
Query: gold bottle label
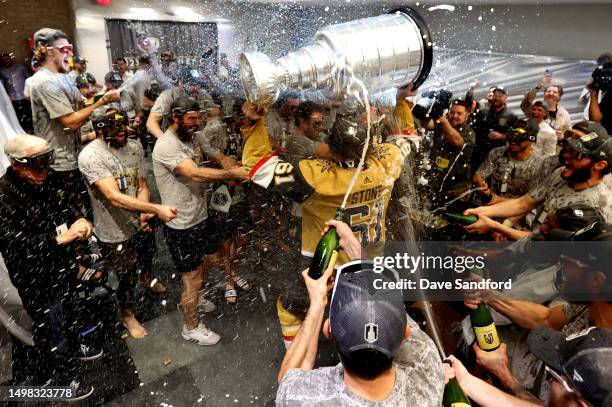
[459,405]
[333,258]
[487,337]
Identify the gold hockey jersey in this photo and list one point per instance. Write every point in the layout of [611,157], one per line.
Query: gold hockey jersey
[321,184]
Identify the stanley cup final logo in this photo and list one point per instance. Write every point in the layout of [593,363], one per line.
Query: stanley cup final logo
[370,332]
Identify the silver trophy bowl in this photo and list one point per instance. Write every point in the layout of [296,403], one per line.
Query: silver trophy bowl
[386,51]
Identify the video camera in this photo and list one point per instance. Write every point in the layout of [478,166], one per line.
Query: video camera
[602,78]
[432,104]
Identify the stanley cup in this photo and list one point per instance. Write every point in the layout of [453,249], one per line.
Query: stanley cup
[389,50]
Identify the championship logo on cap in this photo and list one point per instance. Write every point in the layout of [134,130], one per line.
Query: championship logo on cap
[370,332]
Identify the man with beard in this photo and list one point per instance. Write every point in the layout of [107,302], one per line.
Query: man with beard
[191,236]
[281,119]
[491,124]
[185,85]
[578,364]
[305,139]
[586,154]
[38,238]
[510,170]
[113,167]
[586,284]
[57,115]
[454,140]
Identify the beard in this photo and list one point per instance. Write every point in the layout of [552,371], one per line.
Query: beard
[186,133]
[577,175]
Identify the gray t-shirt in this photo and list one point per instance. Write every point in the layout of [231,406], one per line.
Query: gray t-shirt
[419,380]
[126,165]
[278,128]
[510,178]
[555,193]
[299,147]
[53,96]
[189,197]
[214,137]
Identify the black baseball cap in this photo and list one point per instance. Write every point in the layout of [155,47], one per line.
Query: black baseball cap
[84,80]
[498,89]
[363,317]
[79,60]
[596,143]
[522,131]
[45,36]
[113,78]
[585,358]
[576,222]
[183,105]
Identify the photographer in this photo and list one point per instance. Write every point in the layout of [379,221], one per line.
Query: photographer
[600,110]
[453,143]
[113,167]
[37,237]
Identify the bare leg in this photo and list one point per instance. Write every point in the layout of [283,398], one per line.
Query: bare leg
[227,271]
[192,281]
[134,327]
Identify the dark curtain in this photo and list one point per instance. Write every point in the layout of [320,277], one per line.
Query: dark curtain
[189,41]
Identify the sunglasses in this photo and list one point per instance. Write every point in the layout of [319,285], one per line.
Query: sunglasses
[64,49]
[560,379]
[40,161]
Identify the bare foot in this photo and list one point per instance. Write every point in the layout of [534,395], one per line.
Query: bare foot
[136,330]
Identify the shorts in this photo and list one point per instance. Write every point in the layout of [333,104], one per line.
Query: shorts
[189,246]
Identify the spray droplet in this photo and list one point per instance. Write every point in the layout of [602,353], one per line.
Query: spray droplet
[470,8]
[326,8]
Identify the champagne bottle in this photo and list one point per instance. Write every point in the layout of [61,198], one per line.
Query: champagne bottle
[463,219]
[454,395]
[327,250]
[484,328]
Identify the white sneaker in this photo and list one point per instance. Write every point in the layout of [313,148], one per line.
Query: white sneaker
[201,335]
[205,305]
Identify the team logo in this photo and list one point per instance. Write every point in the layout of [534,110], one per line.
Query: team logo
[370,332]
[367,180]
[488,338]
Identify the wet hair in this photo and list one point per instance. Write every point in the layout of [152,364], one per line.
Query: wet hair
[346,139]
[120,59]
[305,110]
[144,60]
[366,364]
[16,147]
[461,102]
[40,53]
[389,126]
[286,95]
[604,59]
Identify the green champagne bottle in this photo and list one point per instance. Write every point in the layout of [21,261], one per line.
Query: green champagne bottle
[484,328]
[463,219]
[327,250]
[454,395]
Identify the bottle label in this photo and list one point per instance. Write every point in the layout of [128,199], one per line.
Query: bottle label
[459,405]
[441,162]
[332,260]
[487,337]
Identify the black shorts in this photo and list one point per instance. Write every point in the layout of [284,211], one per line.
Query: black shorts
[189,246]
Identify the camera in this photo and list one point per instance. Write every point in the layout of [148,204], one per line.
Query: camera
[432,104]
[602,78]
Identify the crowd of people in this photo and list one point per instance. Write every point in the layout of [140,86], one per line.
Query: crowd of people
[179,150]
